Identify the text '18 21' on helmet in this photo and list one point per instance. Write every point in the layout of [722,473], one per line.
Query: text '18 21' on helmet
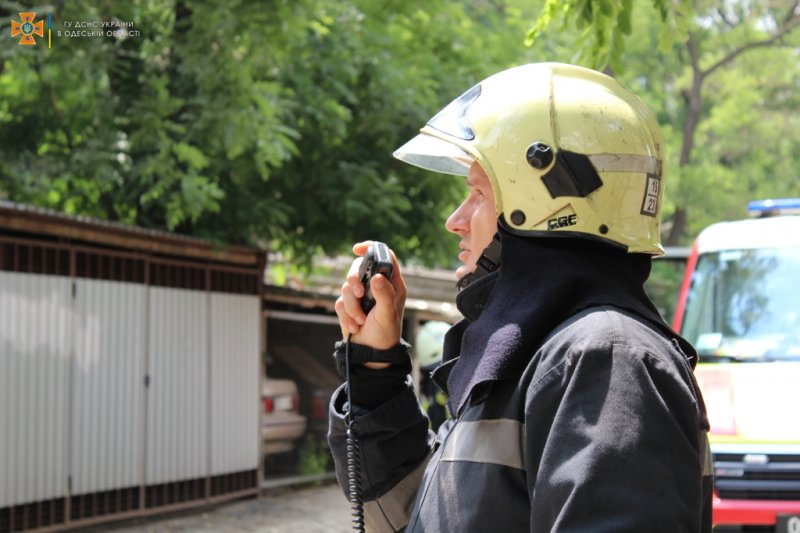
[568,151]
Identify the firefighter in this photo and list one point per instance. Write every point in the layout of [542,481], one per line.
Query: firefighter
[574,404]
[428,346]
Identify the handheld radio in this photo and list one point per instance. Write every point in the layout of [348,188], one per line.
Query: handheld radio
[378,260]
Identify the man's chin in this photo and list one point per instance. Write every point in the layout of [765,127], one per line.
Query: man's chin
[463,270]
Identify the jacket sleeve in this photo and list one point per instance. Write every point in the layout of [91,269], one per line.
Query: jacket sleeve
[615,443]
[394,446]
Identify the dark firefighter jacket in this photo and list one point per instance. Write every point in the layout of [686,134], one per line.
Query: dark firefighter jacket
[575,410]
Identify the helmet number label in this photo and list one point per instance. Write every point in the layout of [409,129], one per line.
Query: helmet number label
[650,204]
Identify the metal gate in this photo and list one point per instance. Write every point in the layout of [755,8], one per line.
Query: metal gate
[129,382]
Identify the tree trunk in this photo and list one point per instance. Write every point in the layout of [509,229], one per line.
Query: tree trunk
[678,229]
[694,108]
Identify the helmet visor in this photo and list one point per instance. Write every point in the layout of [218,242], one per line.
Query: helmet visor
[435,154]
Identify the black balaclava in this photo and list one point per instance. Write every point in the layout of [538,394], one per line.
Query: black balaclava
[541,283]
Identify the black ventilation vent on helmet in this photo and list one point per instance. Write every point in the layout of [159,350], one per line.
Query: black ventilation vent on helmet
[572,175]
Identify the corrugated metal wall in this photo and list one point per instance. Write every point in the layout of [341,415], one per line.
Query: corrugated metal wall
[177,415]
[235,382]
[35,321]
[127,384]
[107,385]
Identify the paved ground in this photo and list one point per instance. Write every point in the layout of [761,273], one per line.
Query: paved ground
[322,509]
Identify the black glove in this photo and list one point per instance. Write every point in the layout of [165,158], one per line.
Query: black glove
[371,386]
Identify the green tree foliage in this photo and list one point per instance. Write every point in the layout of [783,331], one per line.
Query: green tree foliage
[737,56]
[603,25]
[273,123]
[269,123]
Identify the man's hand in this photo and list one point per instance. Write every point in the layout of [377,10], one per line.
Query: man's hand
[382,327]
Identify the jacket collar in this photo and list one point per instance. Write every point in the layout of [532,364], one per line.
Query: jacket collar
[542,282]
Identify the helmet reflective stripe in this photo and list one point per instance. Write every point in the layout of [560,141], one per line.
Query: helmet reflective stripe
[605,176]
[625,163]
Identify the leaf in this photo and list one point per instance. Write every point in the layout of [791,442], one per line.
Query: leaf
[548,13]
[606,8]
[190,155]
[624,17]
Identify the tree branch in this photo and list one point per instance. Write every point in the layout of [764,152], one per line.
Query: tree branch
[724,18]
[790,21]
[791,13]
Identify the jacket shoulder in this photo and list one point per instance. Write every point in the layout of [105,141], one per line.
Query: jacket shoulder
[606,330]
[606,326]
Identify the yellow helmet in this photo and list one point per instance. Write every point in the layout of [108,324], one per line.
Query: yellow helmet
[430,342]
[568,150]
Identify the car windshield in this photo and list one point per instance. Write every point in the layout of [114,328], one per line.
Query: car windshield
[744,305]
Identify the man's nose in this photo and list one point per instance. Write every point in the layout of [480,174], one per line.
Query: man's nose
[458,221]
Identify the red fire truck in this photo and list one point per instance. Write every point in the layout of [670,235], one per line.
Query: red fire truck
[739,305]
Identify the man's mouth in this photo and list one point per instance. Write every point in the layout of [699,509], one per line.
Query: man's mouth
[464,252]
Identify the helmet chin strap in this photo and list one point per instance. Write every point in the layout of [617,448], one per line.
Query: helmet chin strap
[488,262]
